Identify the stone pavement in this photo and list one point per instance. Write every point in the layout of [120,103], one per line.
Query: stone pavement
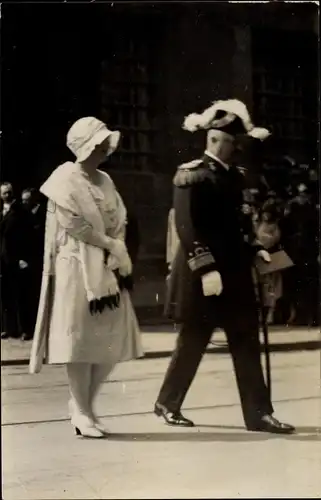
[143,458]
[159,341]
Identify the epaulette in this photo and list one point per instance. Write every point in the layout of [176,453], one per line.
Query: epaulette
[190,173]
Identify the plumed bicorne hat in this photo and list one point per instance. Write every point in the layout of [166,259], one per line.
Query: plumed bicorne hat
[230,116]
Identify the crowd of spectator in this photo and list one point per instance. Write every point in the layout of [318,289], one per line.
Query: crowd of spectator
[22,225]
[287,216]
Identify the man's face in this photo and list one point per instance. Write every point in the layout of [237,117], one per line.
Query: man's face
[247,209]
[230,145]
[6,194]
[26,199]
[238,151]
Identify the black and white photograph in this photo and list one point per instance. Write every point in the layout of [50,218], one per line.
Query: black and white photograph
[160,250]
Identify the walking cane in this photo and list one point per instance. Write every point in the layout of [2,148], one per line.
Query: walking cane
[265,333]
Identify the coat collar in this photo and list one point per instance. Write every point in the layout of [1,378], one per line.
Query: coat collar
[214,163]
[215,158]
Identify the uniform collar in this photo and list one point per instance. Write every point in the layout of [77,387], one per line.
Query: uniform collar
[217,159]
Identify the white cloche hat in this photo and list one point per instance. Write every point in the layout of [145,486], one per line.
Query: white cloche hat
[230,116]
[87,133]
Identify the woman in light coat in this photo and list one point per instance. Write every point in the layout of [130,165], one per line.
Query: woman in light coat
[85,317]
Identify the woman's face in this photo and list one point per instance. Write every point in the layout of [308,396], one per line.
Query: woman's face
[100,153]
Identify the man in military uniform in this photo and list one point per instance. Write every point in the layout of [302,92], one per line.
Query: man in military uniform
[211,284]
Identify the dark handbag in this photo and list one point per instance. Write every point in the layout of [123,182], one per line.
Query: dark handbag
[279,261]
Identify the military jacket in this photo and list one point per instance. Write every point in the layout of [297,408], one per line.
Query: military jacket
[211,216]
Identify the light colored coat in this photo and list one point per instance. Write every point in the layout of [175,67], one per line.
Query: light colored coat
[65,330]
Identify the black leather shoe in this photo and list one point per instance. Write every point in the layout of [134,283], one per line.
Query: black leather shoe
[270,424]
[172,418]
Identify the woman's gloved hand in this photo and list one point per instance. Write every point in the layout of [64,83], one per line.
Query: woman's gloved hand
[118,250]
[126,267]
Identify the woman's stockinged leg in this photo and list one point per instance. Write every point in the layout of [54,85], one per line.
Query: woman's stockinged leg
[99,373]
[79,377]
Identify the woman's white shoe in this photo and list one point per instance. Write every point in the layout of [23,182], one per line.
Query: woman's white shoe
[85,427]
[100,426]
[93,419]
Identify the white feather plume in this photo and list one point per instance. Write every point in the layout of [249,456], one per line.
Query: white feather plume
[235,107]
[259,133]
[208,116]
[192,122]
[204,120]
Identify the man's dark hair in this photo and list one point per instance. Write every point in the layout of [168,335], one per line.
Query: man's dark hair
[6,184]
[32,191]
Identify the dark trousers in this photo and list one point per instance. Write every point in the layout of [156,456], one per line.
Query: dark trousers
[10,310]
[245,350]
[30,284]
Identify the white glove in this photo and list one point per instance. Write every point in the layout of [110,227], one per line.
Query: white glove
[212,284]
[117,248]
[126,267]
[119,254]
[264,255]
[23,264]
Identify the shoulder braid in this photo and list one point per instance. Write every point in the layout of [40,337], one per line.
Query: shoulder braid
[190,173]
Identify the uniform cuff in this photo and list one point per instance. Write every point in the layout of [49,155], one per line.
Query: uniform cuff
[203,259]
[201,262]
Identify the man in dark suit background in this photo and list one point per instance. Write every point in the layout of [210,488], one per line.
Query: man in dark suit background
[15,257]
[35,209]
[300,233]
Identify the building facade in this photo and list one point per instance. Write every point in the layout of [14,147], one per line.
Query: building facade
[142,68]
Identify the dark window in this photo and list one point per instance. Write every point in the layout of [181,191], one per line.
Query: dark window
[127,102]
[285,72]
